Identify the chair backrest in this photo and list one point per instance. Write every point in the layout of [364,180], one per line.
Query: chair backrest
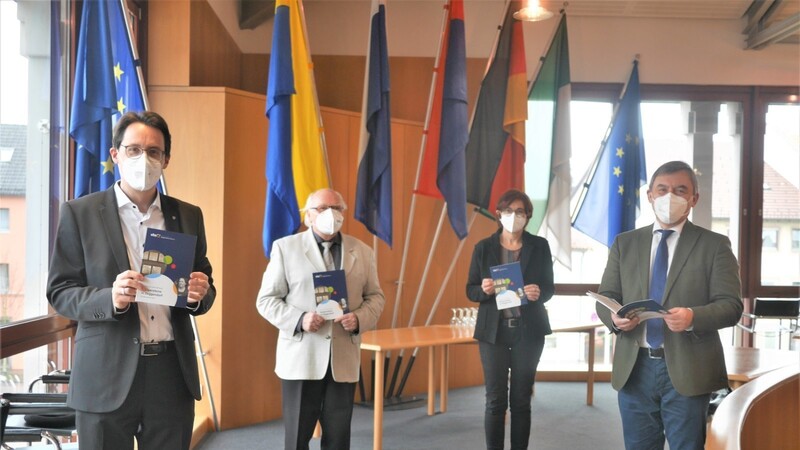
[4,405]
[776,307]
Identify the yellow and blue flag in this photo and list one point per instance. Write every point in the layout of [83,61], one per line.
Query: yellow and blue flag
[296,163]
[374,186]
[107,85]
[611,202]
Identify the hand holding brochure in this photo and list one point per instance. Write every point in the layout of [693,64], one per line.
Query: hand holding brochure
[508,285]
[166,265]
[330,290]
[643,309]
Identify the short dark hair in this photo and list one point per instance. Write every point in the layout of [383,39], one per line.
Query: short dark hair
[512,195]
[673,167]
[149,118]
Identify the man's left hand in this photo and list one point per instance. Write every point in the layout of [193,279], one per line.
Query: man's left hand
[349,322]
[198,287]
[679,319]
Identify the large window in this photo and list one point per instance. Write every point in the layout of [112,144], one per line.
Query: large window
[705,133]
[32,150]
[780,215]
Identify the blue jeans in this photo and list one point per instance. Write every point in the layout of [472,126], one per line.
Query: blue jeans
[651,409]
[513,352]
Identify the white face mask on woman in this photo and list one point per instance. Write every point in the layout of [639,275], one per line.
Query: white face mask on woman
[141,173]
[669,208]
[329,222]
[512,223]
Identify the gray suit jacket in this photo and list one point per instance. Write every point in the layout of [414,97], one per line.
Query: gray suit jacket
[287,291]
[704,276]
[88,255]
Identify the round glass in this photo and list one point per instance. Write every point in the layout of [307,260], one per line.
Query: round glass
[323,208]
[134,152]
[517,212]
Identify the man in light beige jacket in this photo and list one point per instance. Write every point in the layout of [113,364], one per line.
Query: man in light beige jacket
[318,360]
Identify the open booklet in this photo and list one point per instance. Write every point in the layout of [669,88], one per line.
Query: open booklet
[644,309]
[330,290]
[166,265]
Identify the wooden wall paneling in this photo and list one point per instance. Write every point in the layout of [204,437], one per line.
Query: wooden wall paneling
[340,81]
[168,43]
[251,388]
[215,58]
[197,150]
[253,74]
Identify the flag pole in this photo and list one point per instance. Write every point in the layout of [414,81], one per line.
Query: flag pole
[588,177]
[198,343]
[412,211]
[472,118]
[436,303]
[425,272]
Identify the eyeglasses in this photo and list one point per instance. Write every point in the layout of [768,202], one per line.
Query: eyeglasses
[134,152]
[323,208]
[518,212]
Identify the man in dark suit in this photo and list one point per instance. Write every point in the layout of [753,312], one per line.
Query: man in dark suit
[134,371]
[666,369]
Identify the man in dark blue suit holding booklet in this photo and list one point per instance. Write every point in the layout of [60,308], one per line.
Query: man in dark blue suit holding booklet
[135,369]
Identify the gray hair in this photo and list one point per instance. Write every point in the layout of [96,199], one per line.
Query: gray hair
[308,206]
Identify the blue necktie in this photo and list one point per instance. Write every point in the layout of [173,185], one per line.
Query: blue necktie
[655,328]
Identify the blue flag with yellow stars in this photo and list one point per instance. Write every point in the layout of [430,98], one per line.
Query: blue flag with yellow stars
[106,86]
[611,204]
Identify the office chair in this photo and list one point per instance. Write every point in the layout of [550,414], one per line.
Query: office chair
[780,309]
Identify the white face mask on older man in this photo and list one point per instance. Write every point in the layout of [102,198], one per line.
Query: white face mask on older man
[669,208]
[329,222]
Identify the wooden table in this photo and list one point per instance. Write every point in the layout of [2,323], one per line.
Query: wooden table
[746,363]
[588,328]
[437,337]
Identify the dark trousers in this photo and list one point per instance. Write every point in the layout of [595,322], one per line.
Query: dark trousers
[158,411]
[306,401]
[651,409]
[511,352]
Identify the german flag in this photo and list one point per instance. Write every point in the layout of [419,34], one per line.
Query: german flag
[495,152]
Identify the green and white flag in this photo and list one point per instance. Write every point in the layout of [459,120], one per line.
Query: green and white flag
[547,172]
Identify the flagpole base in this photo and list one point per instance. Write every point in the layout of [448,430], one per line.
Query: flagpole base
[397,403]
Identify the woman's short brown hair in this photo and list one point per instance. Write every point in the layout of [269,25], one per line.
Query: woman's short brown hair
[512,195]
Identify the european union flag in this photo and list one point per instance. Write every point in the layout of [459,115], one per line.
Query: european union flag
[611,204]
[106,86]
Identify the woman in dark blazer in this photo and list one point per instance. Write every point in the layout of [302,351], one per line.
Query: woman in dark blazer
[511,339]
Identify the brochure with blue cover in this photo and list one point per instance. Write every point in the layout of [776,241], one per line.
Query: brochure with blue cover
[508,285]
[167,262]
[330,290]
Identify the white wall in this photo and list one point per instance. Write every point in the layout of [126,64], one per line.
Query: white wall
[672,51]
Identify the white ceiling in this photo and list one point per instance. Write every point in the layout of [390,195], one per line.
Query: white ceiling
[410,21]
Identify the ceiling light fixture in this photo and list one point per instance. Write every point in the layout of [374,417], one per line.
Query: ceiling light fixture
[533,12]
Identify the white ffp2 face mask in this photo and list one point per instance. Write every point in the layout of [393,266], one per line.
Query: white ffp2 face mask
[141,173]
[669,208]
[329,222]
[512,223]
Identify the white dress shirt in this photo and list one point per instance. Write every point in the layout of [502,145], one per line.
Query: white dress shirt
[154,320]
